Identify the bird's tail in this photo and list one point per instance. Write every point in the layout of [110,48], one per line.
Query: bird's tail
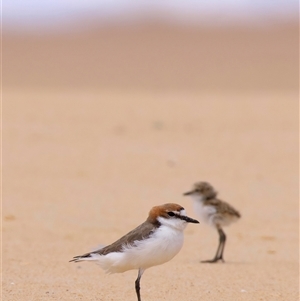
[84,257]
[88,256]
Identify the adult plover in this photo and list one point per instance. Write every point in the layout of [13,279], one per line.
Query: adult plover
[214,212]
[154,242]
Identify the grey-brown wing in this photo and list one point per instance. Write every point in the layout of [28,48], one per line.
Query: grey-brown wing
[224,207]
[141,232]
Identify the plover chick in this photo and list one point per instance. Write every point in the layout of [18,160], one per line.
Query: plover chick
[154,242]
[214,212]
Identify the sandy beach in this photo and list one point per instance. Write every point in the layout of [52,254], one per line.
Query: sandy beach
[89,148]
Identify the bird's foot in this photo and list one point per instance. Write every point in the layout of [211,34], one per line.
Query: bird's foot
[212,260]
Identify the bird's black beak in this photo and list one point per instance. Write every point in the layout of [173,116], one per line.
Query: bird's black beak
[188,193]
[188,219]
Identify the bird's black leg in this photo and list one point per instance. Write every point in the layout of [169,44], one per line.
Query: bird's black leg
[222,240]
[220,250]
[137,284]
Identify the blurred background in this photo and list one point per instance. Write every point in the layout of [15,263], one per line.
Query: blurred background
[154,45]
[112,107]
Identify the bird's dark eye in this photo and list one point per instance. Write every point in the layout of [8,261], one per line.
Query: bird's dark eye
[171,213]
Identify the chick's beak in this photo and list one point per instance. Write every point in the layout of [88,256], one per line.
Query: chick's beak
[189,192]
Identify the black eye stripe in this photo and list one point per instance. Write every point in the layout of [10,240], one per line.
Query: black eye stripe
[170,213]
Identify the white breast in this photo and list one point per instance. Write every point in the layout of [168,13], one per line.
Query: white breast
[161,247]
[205,213]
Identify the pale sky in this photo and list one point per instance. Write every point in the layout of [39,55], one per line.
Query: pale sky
[40,12]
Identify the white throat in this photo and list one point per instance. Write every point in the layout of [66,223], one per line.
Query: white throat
[174,223]
[197,197]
